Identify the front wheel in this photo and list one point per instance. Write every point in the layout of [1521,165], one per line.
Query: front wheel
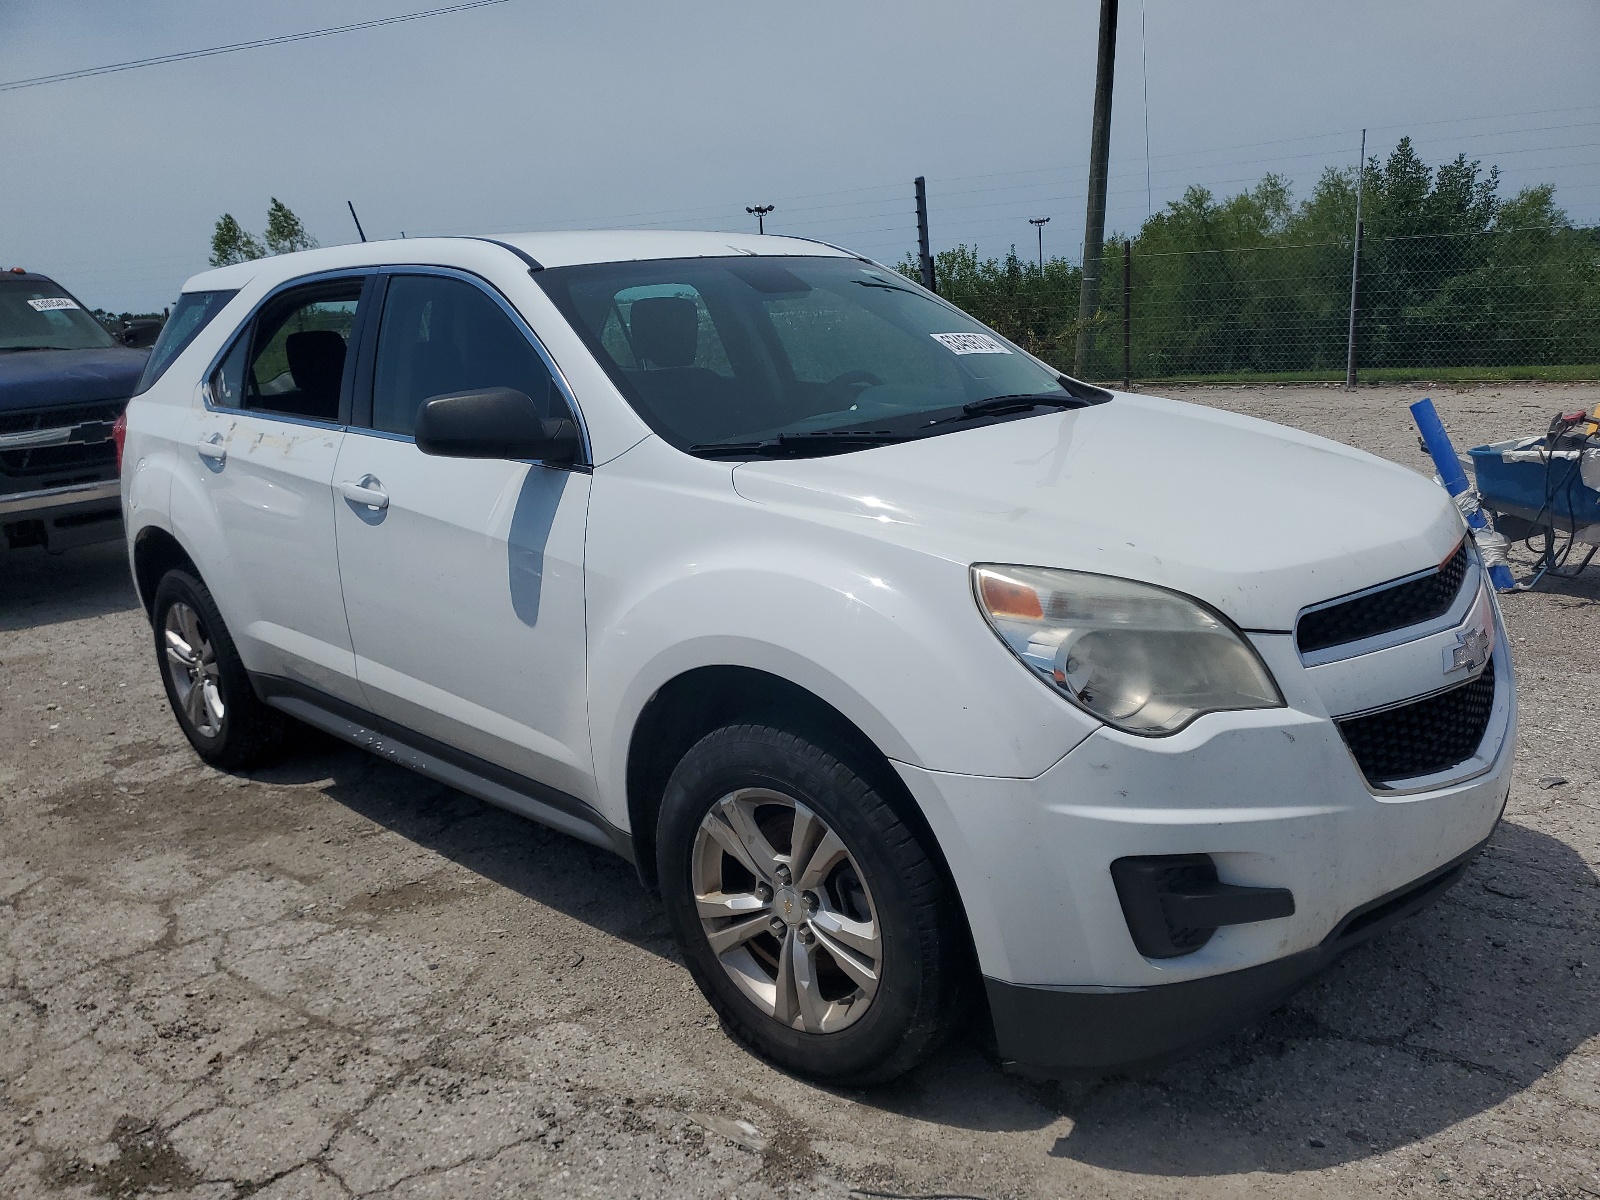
[808,912]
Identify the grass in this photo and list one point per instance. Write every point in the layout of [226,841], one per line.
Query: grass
[1581,372]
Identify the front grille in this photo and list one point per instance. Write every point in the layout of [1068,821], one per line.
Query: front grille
[1393,608]
[55,418]
[1424,736]
[76,457]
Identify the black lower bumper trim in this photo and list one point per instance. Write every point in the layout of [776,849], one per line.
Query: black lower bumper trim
[1093,1030]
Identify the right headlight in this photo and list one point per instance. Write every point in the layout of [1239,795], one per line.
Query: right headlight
[1138,657]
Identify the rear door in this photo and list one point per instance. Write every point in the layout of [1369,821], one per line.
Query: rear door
[463,578]
[265,443]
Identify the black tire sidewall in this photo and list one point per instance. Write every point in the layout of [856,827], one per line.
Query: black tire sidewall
[238,742]
[893,1033]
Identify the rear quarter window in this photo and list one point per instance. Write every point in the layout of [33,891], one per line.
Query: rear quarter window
[193,312]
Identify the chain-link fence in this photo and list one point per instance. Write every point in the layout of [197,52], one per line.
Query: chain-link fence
[1493,303]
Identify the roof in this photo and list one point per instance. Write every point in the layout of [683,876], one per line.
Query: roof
[555,249]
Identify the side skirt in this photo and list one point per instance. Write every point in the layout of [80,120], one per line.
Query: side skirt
[454,768]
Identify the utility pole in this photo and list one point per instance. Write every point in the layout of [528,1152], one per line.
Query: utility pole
[1039,223]
[1094,224]
[759,212]
[1355,269]
[357,220]
[924,258]
[1127,315]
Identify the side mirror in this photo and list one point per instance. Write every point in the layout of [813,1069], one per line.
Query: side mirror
[493,423]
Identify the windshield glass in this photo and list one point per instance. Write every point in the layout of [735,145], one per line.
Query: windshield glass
[814,351]
[37,315]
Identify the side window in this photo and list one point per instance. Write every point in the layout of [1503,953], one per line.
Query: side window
[227,381]
[192,314]
[293,360]
[446,335]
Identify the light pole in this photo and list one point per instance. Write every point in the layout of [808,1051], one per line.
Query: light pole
[759,212]
[1039,223]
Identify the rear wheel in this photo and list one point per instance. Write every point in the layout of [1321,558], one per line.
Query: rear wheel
[808,912]
[206,683]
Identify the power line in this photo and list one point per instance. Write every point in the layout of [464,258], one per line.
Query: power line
[258,43]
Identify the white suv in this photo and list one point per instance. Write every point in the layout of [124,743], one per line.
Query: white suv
[893,658]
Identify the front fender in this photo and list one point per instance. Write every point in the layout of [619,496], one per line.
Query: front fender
[682,577]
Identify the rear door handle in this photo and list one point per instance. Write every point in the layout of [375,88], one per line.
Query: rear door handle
[366,490]
[212,447]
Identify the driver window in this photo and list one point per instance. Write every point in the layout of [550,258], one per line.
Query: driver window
[446,335]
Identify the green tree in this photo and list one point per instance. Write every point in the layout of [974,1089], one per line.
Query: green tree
[285,232]
[230,243]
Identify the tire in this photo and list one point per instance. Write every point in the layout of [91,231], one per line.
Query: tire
[867,1011]
[206,683]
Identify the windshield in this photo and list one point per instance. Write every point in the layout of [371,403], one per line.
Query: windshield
[35,314]
[758,355]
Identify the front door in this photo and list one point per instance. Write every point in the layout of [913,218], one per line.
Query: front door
[463,578]
[264,446]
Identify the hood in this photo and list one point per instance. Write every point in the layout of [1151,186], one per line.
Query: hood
[1251,517]
[37,378]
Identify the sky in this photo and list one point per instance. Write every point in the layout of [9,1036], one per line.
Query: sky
[549,114]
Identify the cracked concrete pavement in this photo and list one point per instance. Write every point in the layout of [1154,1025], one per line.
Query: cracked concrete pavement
[333,978]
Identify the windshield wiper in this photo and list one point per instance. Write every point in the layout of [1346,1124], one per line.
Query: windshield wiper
[801,445]
[886,286]
[995,405]
[16,349]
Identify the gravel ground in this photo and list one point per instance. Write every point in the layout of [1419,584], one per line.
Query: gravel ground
[333,977]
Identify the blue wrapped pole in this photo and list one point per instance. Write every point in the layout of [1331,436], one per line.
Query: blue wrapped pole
[1455,482]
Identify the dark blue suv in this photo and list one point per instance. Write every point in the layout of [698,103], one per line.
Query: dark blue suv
[64,381]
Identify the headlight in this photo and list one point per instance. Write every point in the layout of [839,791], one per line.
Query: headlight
[1139,657]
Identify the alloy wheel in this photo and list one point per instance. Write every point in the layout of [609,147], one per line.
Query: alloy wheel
[787,911]
[192,667]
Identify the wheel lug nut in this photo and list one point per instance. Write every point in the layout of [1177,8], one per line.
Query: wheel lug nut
[764,891]
[783,876]
[777,926]
[811,902]
[807,937]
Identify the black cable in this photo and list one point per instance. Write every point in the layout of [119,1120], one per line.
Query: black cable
[1555,561]
[282,39]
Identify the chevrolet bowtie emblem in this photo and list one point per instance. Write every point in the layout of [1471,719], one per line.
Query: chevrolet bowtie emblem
[1469,653]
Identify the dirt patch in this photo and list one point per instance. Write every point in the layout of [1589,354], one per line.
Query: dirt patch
[145,1163]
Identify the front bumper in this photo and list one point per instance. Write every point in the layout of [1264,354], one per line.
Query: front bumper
[1079,1030]
[1276,800]
[75,515]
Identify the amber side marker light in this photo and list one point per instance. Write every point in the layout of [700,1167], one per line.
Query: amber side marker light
[1005,597]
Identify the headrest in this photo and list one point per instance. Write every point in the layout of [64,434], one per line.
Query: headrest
[664,330]
[316,360]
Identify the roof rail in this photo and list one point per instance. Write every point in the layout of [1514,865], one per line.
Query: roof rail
[533,263]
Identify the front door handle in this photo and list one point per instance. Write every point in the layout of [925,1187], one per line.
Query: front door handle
[212,447]
[367,490]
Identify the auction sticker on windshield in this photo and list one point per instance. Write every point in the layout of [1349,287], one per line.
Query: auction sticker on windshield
[54,302]
[969,343]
